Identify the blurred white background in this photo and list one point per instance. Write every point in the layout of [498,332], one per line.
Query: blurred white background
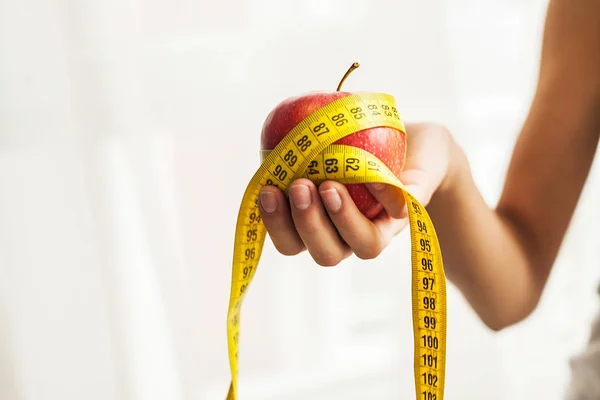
[117,212]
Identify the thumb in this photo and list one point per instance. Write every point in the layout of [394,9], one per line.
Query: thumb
[392,199]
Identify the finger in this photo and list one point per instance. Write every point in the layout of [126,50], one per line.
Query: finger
[314,226]
[417,183]
[389,226]
[427,160]
[363,237]
[276,216]
[390,197]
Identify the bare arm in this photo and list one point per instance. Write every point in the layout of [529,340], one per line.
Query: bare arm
[502,266]
[499,258]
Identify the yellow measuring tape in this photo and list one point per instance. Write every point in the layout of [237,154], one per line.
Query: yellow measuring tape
[306,153]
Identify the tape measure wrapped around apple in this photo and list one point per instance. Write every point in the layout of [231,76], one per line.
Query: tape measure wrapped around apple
[386,143]
[354,139]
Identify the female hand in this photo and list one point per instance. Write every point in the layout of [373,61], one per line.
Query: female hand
[326,222]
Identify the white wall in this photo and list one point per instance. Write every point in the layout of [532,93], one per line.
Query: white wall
[117,214]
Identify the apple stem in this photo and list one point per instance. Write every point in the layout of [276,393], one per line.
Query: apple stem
[352,68]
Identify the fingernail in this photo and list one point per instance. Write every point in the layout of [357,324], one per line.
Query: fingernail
[268,201]
[332,199]
[300,195]
[378,187]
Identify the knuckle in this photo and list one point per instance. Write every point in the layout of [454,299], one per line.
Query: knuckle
[287,248]
[366,255]
[438,126]
[327,260]
[292,251]
[284,240]
[370,252]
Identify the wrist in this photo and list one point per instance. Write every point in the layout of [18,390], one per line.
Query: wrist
[458,168]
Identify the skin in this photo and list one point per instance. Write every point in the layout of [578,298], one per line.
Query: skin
[499,258]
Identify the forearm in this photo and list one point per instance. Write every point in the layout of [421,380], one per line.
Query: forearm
[482,254]
[500,258]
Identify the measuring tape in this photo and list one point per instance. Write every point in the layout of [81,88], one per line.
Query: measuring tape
[305,152]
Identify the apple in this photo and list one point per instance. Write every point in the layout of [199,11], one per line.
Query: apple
[387,144]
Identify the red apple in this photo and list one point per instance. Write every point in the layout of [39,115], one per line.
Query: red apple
[387,144]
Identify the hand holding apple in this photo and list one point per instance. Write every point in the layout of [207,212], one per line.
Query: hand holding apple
[335,220]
